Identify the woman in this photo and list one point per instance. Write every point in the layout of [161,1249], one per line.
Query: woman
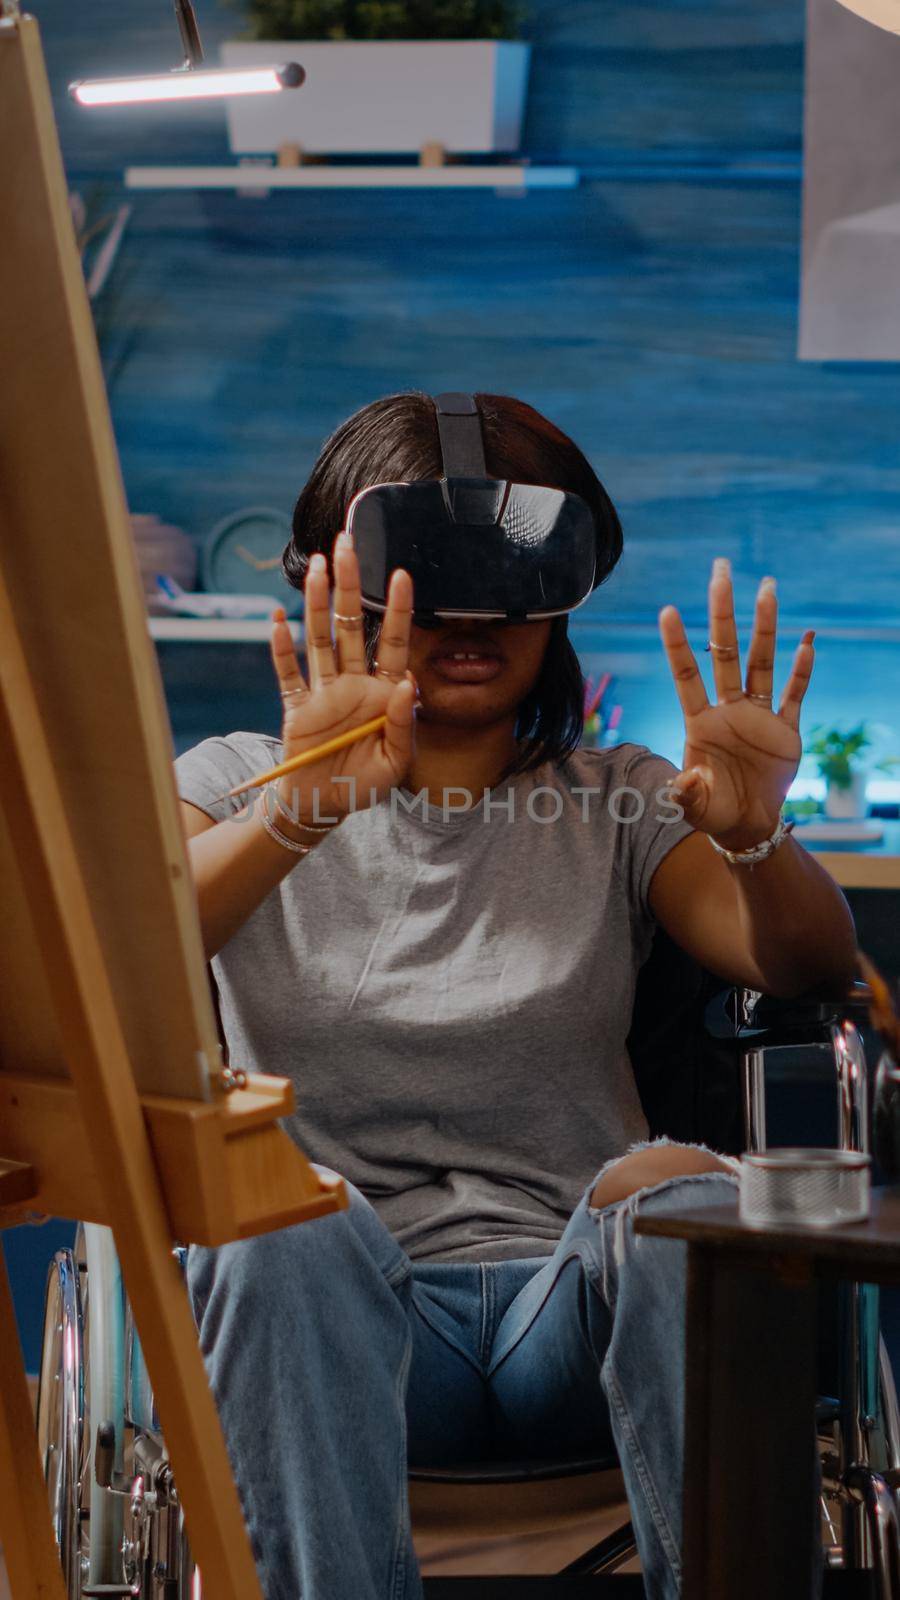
[436,934]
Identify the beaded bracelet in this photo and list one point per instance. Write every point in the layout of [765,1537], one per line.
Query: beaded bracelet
[757,852]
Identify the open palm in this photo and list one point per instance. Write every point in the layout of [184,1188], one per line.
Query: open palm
[740,755]
[341,692]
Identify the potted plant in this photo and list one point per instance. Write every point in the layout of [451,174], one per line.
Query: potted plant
[836,754]
[383,76]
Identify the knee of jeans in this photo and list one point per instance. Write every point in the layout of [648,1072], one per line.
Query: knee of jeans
[615,1218]
[360,1216]
[249,1268]
[651,1163]
[244,1268]
[686,1189]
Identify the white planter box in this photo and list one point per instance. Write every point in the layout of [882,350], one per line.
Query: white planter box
[383,95]
[847,802]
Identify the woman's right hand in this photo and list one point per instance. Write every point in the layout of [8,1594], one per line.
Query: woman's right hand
[342,694]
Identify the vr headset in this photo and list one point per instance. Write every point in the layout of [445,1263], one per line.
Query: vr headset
[474,546]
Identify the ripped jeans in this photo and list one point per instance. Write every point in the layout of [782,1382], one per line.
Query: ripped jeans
[336,1363]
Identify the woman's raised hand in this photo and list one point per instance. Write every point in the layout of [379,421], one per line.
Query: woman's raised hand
[740,756]
[341,693]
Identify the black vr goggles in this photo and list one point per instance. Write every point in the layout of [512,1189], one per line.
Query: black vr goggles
[474,546]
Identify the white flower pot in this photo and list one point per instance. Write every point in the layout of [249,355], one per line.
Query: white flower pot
[847,802]
[384,95]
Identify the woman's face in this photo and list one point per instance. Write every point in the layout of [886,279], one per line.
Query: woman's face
[501,662]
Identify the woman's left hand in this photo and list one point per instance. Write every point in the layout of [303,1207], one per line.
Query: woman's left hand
[740,756]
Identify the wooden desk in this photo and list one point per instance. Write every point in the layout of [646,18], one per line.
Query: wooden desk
[855,866]
[750,1389]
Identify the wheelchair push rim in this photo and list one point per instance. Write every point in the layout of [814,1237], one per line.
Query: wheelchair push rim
[80,1385]
[60,1411]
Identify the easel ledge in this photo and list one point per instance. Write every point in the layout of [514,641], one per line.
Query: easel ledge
[226,1170]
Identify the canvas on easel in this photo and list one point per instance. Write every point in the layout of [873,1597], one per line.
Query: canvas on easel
[112,1103]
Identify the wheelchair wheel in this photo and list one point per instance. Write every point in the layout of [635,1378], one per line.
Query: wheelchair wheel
[126,1535]
[80,1386]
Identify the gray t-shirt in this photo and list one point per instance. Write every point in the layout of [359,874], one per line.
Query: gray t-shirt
[450,991]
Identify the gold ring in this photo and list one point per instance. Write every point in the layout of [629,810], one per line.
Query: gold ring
[339,617]
[765,698]
[286,693]
[382,672]
[726,650]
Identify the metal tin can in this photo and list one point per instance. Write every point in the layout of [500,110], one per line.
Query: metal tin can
[809,1188]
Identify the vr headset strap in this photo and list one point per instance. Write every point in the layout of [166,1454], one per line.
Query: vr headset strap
[462,445]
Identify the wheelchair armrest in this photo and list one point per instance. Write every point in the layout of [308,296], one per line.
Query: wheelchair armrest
[744,1015]
[817,1008]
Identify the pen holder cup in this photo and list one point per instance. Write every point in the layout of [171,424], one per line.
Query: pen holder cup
[804,1188]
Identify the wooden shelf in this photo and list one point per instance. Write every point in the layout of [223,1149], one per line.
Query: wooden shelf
[216,630]
[259,175]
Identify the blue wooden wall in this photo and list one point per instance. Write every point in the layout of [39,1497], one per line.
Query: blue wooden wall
[651,313]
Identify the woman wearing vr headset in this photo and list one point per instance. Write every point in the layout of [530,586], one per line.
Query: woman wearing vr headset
[436,934]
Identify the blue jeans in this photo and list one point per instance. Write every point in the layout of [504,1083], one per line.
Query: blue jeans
[336,1363]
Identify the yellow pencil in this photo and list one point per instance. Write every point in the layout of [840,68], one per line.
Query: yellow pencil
[306,757]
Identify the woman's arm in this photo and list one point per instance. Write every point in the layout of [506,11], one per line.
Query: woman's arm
[235,864]
[780,925]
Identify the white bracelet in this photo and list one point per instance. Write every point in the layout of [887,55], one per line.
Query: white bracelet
[289,844]
[757,852]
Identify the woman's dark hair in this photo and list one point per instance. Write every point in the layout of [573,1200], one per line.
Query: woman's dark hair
[397,438]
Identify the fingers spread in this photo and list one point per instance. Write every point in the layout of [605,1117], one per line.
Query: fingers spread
[798,682]
[348,611]
[761,657]
[291,682]
[682,664]
[398,730]
[393,641]
[317,624]
[723,637]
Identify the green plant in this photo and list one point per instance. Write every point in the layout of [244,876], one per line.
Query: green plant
[383,19]
[801,808]
[834,752]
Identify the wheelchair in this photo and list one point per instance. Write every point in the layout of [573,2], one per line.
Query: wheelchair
[698,1051]
[113,1500]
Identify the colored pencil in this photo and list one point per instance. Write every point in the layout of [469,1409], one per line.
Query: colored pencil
[307,757]
[602,688]
[611,731]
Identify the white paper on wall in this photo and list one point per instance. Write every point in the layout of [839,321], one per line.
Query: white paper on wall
[850,283]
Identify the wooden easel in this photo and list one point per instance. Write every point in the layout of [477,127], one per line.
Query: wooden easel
[112,1108]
